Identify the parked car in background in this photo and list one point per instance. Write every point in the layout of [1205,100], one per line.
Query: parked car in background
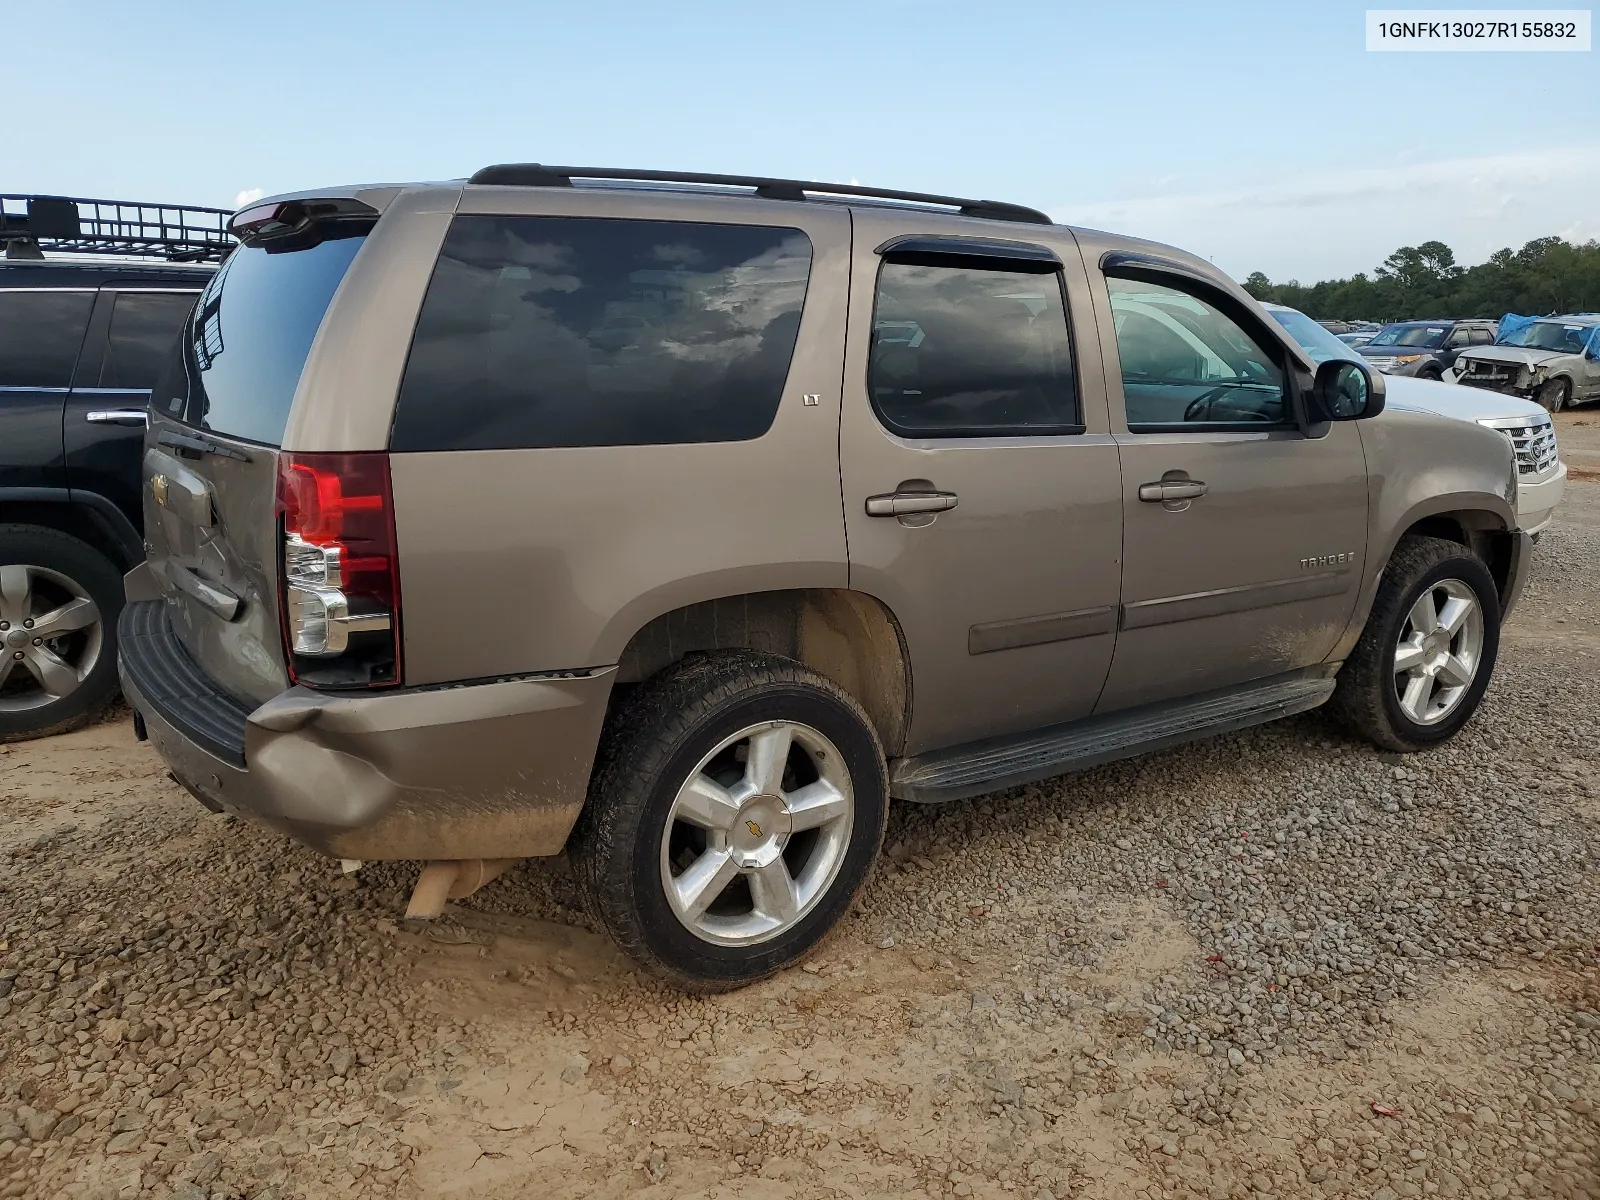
[1541,475]
[1357,338]
[1425,349]
[1554,360]
[82,340]
[503,518]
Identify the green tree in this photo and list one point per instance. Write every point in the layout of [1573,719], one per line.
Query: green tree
[1547,275]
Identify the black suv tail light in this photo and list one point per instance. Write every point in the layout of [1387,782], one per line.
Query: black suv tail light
[339,569]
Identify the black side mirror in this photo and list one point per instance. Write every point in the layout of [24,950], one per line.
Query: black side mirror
[1347,391]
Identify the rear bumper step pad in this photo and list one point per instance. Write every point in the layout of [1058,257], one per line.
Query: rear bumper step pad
[174,685]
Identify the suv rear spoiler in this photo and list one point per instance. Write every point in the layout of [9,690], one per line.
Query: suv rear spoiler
[30,225]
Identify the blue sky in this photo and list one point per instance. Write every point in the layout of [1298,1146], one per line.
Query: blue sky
[1262,135]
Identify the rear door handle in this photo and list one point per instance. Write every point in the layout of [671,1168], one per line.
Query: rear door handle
[117,416]
[1160,493]
[898,504]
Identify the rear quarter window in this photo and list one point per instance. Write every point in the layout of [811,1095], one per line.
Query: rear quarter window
[40,335]
[144,326]
[566,331]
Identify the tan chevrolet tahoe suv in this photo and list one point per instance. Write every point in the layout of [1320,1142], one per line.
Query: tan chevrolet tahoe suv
[678,522]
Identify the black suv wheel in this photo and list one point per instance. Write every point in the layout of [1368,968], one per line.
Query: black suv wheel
[1426,655]
[59,600]
[1554,395]
[736,808]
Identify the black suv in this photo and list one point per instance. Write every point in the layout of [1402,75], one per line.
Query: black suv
[82,340]
[1425,349]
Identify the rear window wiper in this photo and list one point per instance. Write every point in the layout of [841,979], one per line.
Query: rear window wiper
[201,445]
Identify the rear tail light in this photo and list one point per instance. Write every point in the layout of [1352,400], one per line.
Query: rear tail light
[340,570]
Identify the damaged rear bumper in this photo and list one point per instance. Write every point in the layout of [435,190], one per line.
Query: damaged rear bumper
[486,770]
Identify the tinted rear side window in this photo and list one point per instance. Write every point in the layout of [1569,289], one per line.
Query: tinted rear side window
[237,365]
[969,352]
[562,331]
[144,328]
[40,333]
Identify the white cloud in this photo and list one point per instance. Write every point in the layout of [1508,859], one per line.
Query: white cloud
[248,196]
[1327,224]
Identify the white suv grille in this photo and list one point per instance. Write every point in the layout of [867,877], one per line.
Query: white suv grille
[1534,439]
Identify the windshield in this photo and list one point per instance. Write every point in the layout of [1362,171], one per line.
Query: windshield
[1313,338]
[1426,337]
[1550,335]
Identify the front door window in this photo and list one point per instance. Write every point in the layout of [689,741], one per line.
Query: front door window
[1185,362]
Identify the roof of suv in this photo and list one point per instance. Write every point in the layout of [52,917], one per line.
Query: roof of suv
[27,273]
[373,198]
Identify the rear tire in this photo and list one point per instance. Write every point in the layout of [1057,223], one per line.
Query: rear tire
[44,572]
[1407,686]
[682,792]
[1553,396]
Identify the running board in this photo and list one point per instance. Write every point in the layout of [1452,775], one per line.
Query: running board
[1003,762]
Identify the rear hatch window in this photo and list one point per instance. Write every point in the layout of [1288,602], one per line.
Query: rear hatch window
[235,370]
[218,415]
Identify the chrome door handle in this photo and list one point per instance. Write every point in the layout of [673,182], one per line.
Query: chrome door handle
[1160,493]
[898,504]
[118,416]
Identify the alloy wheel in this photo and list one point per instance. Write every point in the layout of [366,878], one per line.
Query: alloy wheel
[1439,651]
[757,833]
[51,636]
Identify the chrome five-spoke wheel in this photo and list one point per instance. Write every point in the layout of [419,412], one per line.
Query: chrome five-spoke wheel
[51,636]
[757,834]
[1439,651]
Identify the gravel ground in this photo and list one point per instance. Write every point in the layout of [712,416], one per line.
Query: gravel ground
[1274,964]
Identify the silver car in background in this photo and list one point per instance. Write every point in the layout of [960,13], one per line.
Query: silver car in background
[1554,361]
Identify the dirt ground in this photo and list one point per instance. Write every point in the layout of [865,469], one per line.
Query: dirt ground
[1578,435]
[190,1006]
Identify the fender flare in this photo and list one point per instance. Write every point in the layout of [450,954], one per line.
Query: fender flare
[108,518]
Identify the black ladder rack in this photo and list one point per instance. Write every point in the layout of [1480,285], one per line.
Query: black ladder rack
[72,224]
[539,175]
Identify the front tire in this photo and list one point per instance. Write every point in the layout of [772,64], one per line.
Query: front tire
[1553,396]
[737,805]
[1428,651]
[59,601]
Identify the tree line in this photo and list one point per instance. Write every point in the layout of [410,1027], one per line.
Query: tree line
[1548,275]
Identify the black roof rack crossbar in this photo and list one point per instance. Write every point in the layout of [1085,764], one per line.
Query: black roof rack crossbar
[538,175]
[176,232]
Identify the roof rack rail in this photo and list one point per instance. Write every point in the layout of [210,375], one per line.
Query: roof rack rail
[30,225]
[539,175]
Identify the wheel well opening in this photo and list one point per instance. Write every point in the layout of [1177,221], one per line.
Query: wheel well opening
[849,637]
[1479,533]
[1447,527]
[69,519]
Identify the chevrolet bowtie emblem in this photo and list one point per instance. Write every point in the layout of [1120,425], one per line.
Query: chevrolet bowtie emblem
[158,489]
[755,830]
